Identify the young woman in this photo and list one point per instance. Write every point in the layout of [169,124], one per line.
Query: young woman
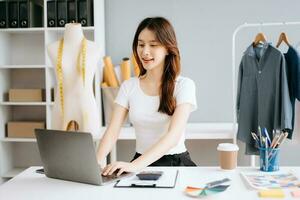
[159,103]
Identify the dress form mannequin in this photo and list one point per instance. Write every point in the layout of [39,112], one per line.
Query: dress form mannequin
[79,103]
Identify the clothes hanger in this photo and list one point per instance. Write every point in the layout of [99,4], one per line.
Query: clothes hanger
[282,38]
[260,37]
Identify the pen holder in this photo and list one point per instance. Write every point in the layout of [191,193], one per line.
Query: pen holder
[269,159]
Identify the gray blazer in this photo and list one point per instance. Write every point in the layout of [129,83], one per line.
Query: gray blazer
[263,96]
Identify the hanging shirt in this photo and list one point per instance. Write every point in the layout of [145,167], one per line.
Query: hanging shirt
[296,134]
[149,124]
[263,96]
[293,76]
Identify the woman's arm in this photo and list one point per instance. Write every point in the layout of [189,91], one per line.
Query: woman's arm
[112,132]
[168,141]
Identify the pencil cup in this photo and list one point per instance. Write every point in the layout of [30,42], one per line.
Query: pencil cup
[269,159]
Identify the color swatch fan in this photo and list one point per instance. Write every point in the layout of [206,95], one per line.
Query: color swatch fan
[202,192]
[210,189]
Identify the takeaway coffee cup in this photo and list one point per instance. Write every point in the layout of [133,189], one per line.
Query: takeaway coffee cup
[228,155]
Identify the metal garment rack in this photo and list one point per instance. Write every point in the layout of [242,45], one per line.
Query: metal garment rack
[234,78]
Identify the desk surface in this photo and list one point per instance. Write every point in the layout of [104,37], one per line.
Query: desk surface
[33,186]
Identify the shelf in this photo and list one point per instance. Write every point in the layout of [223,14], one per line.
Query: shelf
[55,29]
[193,131]
[22,30]
[13,172]
[27,140]
[18,140]
[22,66]
[24,103]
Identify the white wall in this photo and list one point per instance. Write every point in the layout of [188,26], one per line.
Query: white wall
[204,30]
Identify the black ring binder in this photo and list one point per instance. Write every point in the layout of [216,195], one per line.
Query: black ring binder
[13,14]
[51,13]
[61,13]
[3,14]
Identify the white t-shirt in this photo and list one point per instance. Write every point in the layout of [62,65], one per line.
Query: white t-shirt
[149,124]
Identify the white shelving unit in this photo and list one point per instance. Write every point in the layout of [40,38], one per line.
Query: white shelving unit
[24,63]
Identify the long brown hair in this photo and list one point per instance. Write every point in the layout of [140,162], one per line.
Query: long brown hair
[165,34]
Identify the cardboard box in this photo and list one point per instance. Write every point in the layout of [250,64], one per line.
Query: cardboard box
[23,129]
[25,95]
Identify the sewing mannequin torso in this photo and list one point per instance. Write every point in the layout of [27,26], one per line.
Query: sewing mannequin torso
[78,97]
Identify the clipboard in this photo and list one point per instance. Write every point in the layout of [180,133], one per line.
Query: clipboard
[167,180]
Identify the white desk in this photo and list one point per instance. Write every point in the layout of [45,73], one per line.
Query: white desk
[33,186]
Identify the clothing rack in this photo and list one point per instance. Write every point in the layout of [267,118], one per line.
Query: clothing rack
[234,78]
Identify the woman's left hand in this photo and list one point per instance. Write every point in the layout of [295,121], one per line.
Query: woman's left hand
[122,166]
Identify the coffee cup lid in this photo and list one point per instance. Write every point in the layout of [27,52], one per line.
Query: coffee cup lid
[227,147]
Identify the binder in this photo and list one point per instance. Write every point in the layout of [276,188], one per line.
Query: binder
[84,12]
[61,13]
[30,14]
[3,14]
[13,14]
[167,180]
[51,13]
[24,13]
[92,13]
[72,11]
[36,13]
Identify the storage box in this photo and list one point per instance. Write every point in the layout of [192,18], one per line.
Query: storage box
[23,129]
[25,95]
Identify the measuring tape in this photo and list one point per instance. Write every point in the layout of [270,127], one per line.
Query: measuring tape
[81,65]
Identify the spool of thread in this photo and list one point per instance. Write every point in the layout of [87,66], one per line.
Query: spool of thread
[136,68]
[125,69]
[110,72]
[105,75]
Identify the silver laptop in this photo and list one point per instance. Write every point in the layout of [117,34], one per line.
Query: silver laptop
[71,156]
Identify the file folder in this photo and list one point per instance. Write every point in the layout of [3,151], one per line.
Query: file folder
[36,13]
[3,14]
[13,14]
[30,14]
[51,13]
[84,12]
[24,14]
[92,13]
[61,13]
[72,11]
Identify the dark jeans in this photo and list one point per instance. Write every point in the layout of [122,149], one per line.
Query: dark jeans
[182,159]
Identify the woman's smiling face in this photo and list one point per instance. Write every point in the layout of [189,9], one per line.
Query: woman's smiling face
[151,52]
